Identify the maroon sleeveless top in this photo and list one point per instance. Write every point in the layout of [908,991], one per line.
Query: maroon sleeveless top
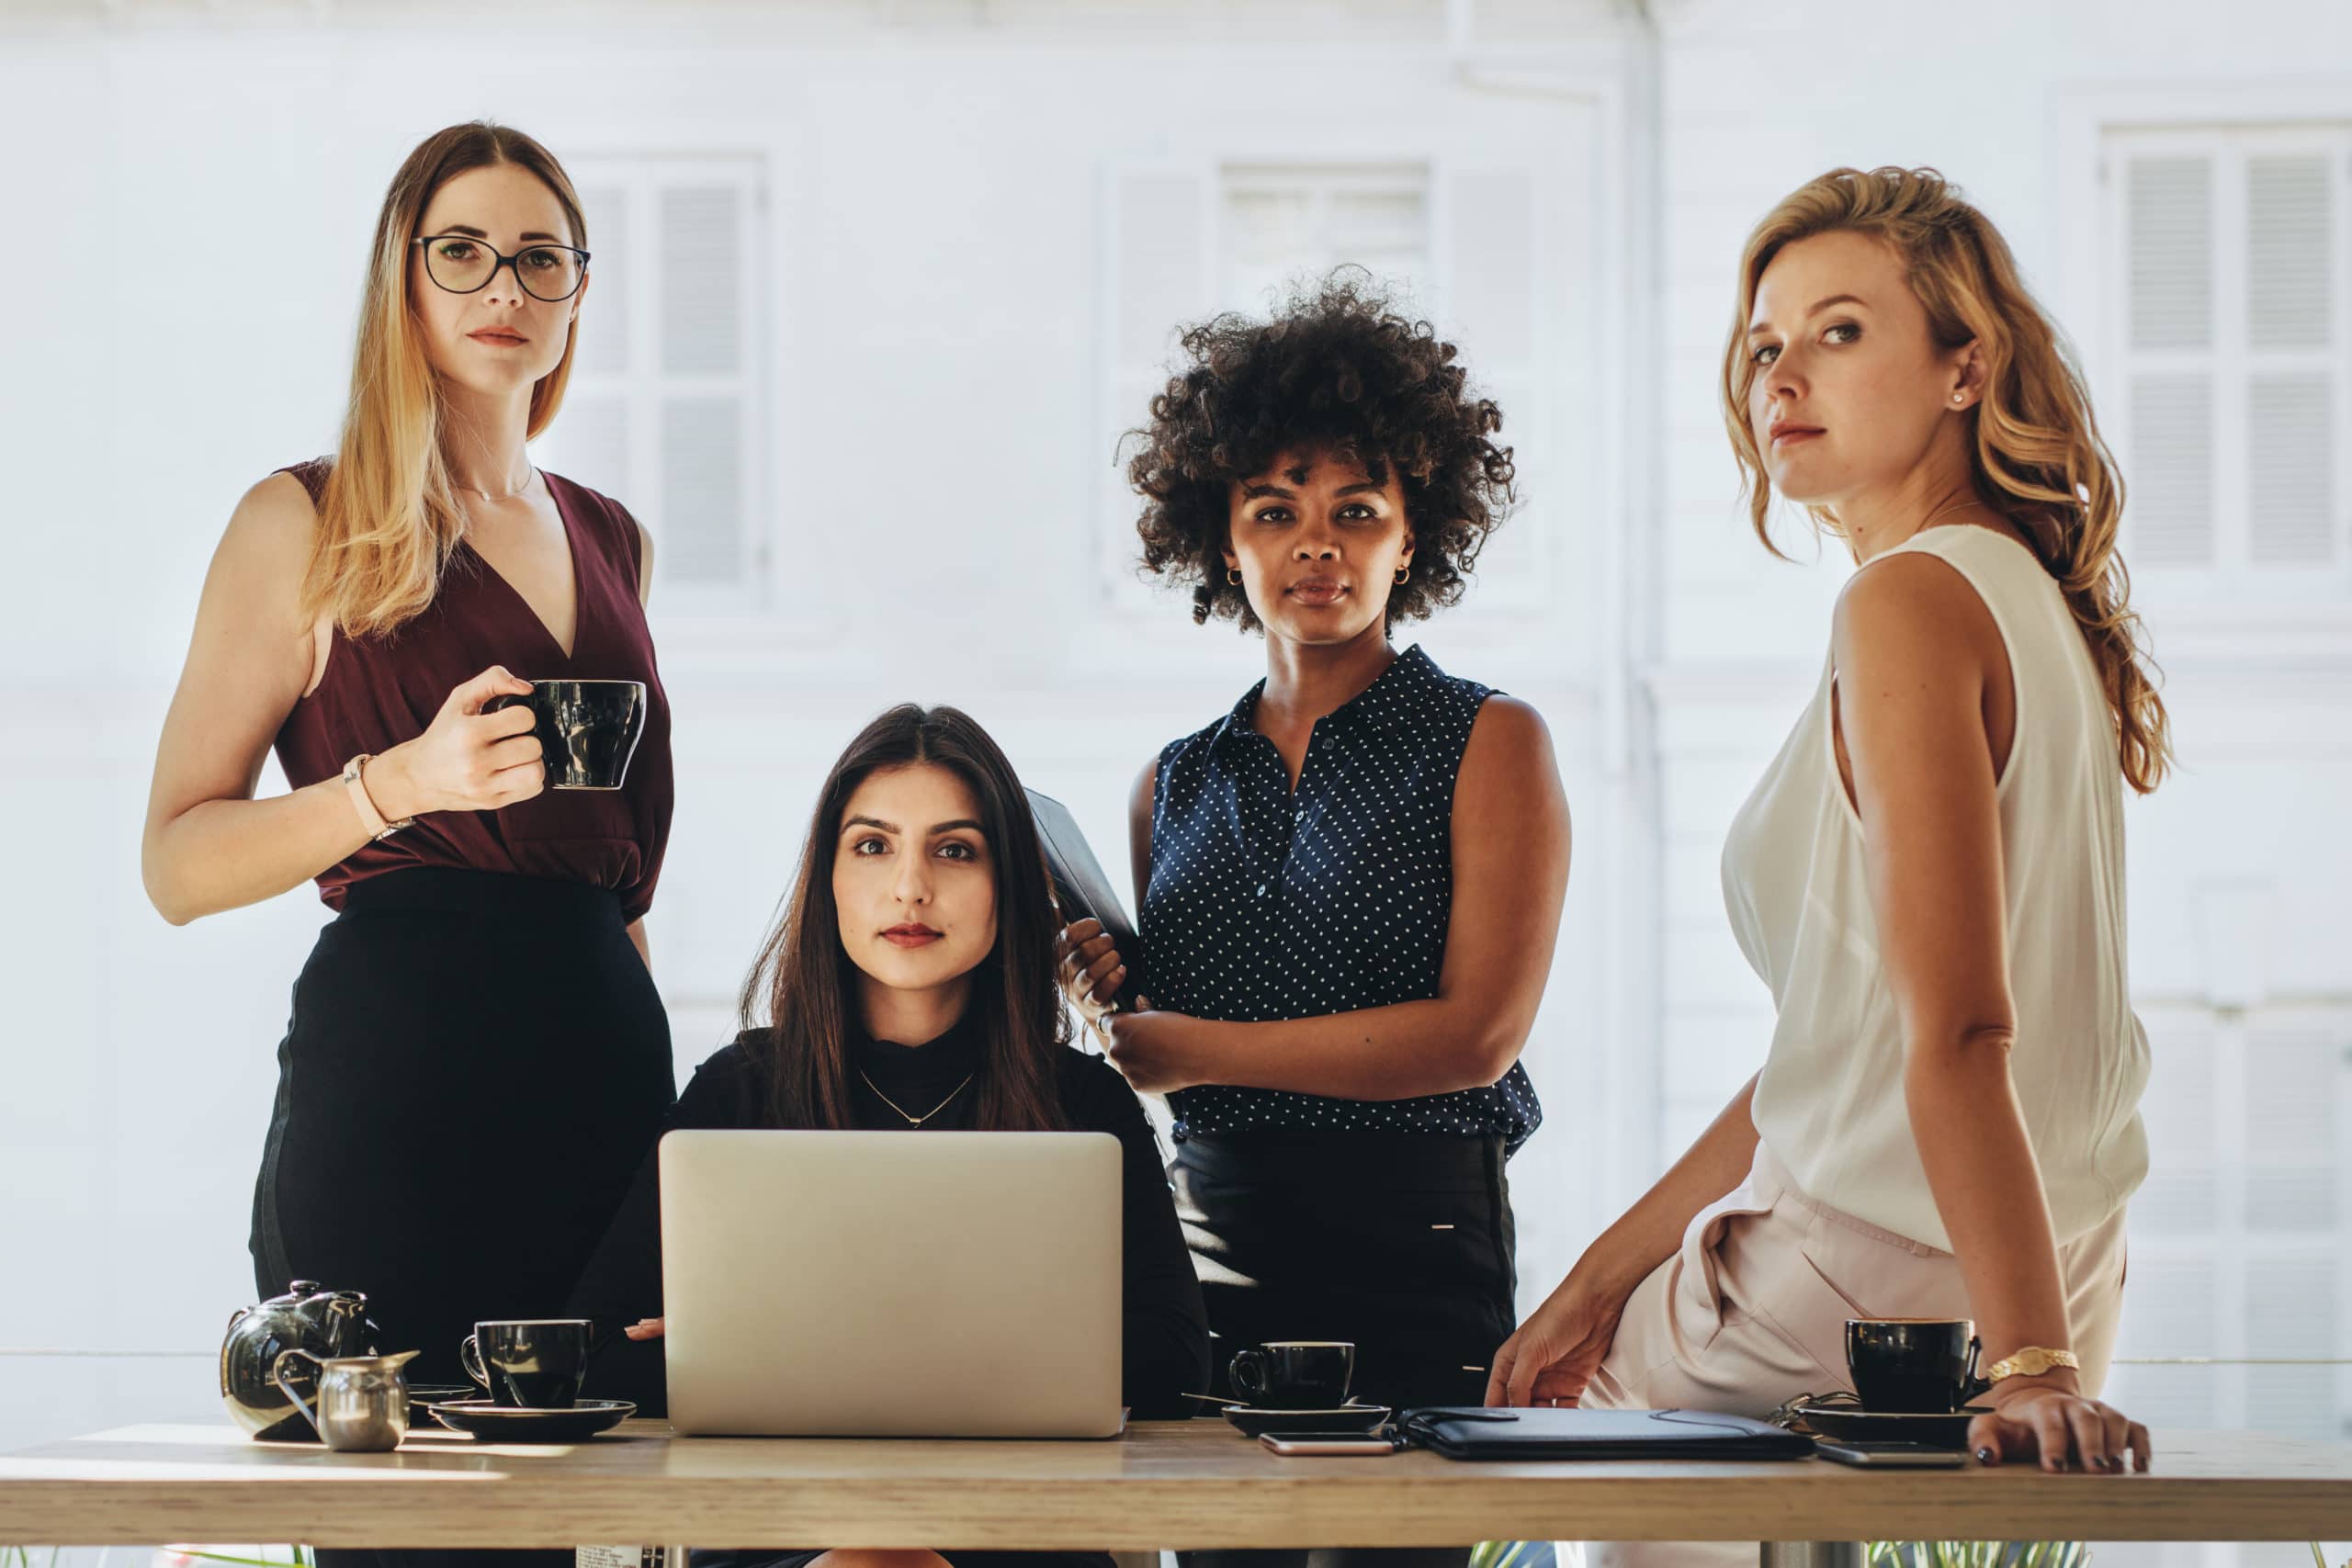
[378,692]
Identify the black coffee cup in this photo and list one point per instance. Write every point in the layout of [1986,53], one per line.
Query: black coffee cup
[1294,1374]
[1914,1366]
[588,730]
[530,1365]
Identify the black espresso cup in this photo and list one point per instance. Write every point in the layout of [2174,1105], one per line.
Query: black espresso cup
[1294,1374]
[529,1365]
[588,730]
[1914,1366]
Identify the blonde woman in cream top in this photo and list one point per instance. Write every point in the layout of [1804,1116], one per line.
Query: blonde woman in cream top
[1829,1103]
[1930,877]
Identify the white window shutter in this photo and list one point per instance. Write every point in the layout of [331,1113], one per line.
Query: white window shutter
[702,285]
[2168,247]
[2291,468]
[2170,489]
[603,348]
[2170,1308]
[2291,410]
[1156,244]
[702,488]
[2169,224]
[2181,1196]
[2291,1313]
[704,306]
[662,409]
[2291,224]
[1490,273]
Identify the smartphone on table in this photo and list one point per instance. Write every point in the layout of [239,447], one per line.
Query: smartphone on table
[1891,1456]
[1321,1445]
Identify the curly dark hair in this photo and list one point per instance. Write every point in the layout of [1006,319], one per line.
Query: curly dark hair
[1336,371]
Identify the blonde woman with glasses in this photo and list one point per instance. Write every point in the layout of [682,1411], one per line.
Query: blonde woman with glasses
[1929,876]
[477,1056]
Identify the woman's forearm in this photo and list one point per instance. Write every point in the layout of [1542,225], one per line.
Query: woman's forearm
[224,854]
[1987,1186]
[1716,1164]
[1397,1052]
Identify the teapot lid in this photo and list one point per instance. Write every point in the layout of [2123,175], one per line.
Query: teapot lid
[310,1293]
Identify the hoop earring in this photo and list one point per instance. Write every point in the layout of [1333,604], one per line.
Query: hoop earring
[1404,573]
[1233,575]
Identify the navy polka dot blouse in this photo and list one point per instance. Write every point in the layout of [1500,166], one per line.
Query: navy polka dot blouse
[1263,905]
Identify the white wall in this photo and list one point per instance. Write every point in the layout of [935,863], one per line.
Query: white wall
[933,459]
[189,192]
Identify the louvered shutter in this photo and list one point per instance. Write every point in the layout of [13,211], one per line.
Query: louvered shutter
[591,439]
[2291,401]
[2170,266]
[2236,380]
[662,409]
[1487,292]
[1156,274]
[703,310]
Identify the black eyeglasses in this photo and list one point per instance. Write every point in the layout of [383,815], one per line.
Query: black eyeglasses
[463,265]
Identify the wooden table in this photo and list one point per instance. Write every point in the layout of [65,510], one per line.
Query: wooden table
[1165,1484]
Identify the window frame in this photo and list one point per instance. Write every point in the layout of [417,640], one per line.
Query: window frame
[2231,360]
[705,611]
[2199,620]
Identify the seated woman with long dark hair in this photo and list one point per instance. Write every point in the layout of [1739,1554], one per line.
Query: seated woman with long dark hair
[909,985]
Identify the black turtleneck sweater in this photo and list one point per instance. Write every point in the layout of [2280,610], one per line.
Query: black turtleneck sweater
[1167,1339]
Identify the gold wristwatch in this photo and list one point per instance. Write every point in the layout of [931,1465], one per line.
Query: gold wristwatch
[2030,1362]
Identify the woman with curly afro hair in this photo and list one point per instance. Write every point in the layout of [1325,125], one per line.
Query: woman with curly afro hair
[1350,884]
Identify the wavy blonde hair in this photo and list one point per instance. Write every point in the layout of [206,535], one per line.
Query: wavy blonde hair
[388,517]
[2036,455]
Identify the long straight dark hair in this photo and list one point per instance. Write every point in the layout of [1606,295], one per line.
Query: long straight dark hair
[797,999]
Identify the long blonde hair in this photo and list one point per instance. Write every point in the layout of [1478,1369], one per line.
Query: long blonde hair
[388,517]
[2036,455]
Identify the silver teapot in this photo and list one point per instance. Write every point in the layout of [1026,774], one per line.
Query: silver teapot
[362,1399]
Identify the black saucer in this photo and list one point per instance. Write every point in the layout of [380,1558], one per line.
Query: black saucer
[507,1423]
[422,1396]
[1845,1423]
[1252,1420]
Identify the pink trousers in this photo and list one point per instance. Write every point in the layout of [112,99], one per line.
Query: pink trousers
[1752,1310]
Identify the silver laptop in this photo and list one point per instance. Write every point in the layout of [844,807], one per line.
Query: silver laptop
[892,1284]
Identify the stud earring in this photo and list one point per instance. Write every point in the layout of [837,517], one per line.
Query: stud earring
[1233,575]
[1960,397]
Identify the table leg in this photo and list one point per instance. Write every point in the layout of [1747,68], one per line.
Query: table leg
[1810,1554]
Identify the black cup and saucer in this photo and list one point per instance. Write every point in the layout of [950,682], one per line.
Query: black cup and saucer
[532,1370]
[1299,1385]
[1913,1380]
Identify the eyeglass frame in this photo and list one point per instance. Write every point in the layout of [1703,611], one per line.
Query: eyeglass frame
[508,262]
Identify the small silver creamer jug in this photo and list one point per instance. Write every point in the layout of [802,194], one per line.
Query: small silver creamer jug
[363,1400]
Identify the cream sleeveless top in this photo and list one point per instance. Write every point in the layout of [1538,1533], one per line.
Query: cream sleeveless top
[1829,1104]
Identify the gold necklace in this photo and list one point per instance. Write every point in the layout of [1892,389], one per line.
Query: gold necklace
[915,1120]
[507,495]
[1940,511]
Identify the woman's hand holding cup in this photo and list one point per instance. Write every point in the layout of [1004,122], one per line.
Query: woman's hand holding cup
[467,760]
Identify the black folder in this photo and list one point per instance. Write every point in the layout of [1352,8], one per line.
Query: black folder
[1469,1432]
[1081,887]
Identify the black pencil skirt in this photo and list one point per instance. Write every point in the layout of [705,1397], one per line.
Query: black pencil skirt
[1400,1243]
[475,1067]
